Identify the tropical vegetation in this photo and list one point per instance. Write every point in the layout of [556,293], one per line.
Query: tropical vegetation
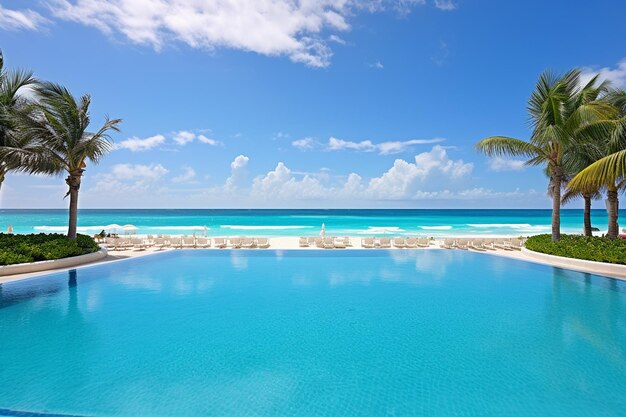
[48,134]
[600,249]
[15,249]
[575,125]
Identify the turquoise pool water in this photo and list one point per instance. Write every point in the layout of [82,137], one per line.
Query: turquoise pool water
[306,333]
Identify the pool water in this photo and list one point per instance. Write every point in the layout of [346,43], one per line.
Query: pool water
[308,333]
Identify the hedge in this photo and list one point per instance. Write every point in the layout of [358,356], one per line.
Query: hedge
[599,249]
[16,249]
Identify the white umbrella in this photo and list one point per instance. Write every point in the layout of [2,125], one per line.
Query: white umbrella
[129,229]
[323,231]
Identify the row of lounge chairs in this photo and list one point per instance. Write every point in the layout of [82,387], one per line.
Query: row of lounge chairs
[483,244]
[327,242]
[186,242]
[397,242]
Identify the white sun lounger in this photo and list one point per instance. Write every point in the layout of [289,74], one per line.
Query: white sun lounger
[159,243]
[138,243]
[235,242]
[462,244]
[477,244]
[329,242]
[448,243]
[203,242]
[220,242]
[398,242]
[339,243]
[176,242]
[384,242]
[303,242]
[368,243]
[188,242]
[262,243]
[411,242]
[248,243]
[423,242]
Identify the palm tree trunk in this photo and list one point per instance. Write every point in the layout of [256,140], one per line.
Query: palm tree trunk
[612,207]
[73,182]
[2,174]
[555,192]
[587,214]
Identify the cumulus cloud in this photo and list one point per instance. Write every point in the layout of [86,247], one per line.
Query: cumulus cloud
[295,29]
[404,179]
[384,148]
[188,175]
[304,144]
[377,65]
[25,19]
[136,144]
[184,137]
[124,172]
[238,174]
[501,164]
[616,75]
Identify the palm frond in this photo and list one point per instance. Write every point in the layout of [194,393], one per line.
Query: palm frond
[506,146]
[604,171]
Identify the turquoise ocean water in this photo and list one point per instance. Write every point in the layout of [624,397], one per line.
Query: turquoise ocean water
[305,222]
[312,333]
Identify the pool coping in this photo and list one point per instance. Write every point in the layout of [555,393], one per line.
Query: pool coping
[53,264]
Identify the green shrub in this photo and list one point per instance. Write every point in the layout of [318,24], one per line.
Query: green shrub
[599,249]
[15,249]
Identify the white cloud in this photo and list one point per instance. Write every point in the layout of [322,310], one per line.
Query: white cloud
[304,144]
[404,179]
[238,174]
[445,5]
[281,27]
[337,39]
[377,65]
[21,19]
[184,137]
[126,172]
[136,144]
[501,164]
[616,75]
[188,175]
[384,148]
[209,141]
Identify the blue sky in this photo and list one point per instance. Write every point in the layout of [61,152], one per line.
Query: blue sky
[317,103]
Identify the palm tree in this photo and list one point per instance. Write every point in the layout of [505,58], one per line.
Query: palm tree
[11,102]
[59,123]
[610,170]
[558,107]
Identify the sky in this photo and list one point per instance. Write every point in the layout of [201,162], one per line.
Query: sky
[305,103]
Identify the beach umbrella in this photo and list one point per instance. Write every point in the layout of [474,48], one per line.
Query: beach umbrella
[10,230]
[205,228]
[129,229]
[323,231]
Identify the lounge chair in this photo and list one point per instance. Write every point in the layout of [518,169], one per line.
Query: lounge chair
[384,242]
[159,243]
[203,242]
[368,243]
[312,240]
[398,242]
[138,243]
[303,242]
[235,242]
[319,242]
[448,243]
[477,244]
[176,242]
[262,243]
[347,241]
[220,242]
[339,243]
[329,242]
[488,244]
[423,242]
[188,242]
[462,244]
[516,244]
[411,242]
[248,243]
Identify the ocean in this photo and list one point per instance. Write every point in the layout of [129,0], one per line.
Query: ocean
[296,222]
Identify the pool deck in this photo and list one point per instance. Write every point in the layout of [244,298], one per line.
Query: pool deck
[291,243]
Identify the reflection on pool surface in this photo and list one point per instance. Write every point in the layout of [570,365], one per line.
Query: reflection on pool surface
[198,333]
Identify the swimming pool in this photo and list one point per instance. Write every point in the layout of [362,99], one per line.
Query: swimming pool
[197,333]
